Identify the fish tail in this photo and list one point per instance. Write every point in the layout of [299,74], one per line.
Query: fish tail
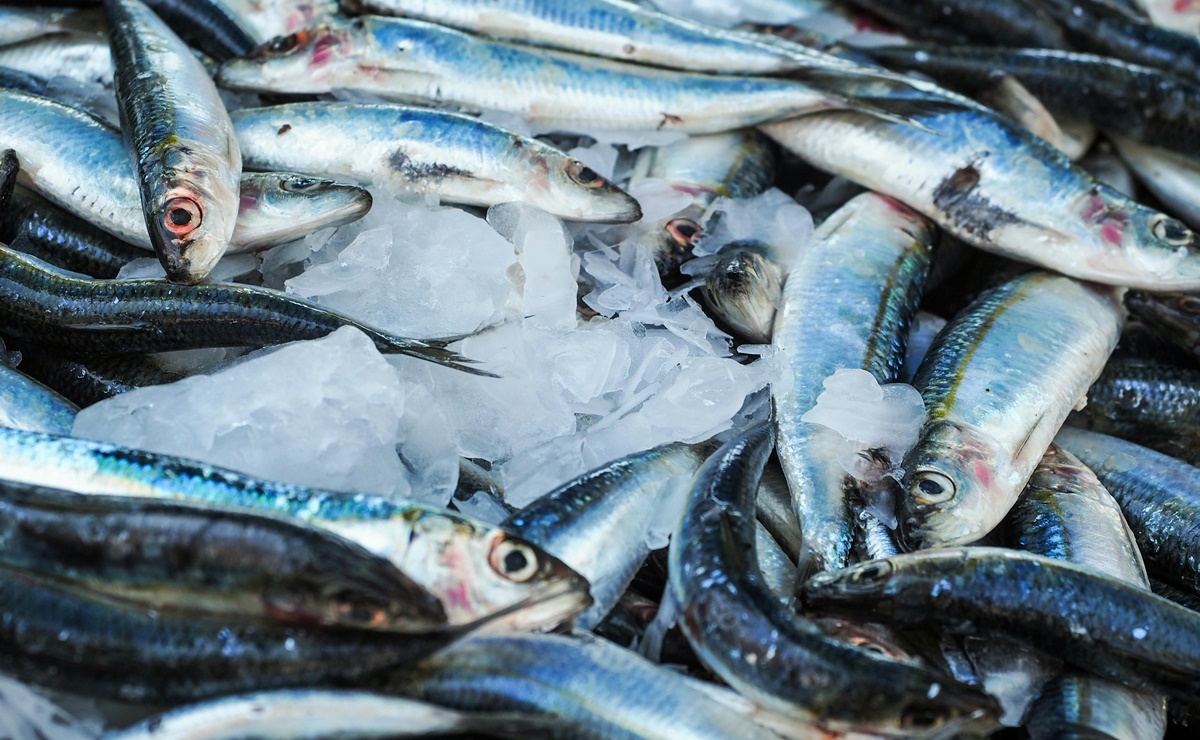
[430,350]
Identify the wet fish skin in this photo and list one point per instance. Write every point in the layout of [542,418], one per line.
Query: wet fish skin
[28,405]
[998,383]
[416,62]
[1173,178]
[21,24]
[773,506]
[1004,191]
[1154,404]
[742,292]
[313,714]
[279,207]
[137,656]
[1117,631]
[594,688]
[1145,103]
[99,317]
[1173,317]
[85,381]
[741,632]
[9,167]
[1015,23]
[1159,496]
[847,304]
[180,140]
[266,19]
[463,562]
[206,25]
[1075,705]
[208,561]
[421,151]
[598,523]
[85,58]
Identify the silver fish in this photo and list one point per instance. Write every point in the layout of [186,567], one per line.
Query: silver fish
[30,406]
[847,304]
[266,19]
[1004,191]
[180,140]
[85,58]
[1173,178]
[420,151]
[280,207]
[998,383]
[22,24]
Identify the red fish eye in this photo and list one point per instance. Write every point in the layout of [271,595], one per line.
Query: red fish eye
[684,230]
[182,216]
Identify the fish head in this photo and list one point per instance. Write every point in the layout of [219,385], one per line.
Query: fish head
[278,207]
[570,189]
[484,573]
[951,480]
[311,60]
[744,288]
[194,212]
[1174,313]
[1139,240]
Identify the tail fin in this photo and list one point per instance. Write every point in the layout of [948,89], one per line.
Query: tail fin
[431,350]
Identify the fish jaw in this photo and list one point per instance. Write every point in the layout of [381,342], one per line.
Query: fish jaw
[279,207]
[569,189]
[308,61]
[957,486]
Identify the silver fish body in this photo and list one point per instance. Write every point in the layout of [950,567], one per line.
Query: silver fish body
[998,383]
[427,152]
[847,304]
[279,207]
[28,405]
[22,24]
[180,140]
[1173,178]
[1002,190]
[417,62]
[85,58]
[599,523]
[266,19]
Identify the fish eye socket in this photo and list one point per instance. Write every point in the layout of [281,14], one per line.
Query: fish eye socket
[297,183]
[182,216]
[1189,304]
[868,645]
[931,487]
[362,615]
[514,560]
[874,571]
[283,44]
[919,719]
[684,230]
[1171,231]
[584,175]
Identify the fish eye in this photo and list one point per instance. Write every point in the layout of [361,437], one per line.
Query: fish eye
[584,175]
[514,560]
[1189,304]
[920,719]
[876,570]
[931,487]
[1171,231]
[684,230]
[282,44]
[362,615]
[182,216]
[294,184]
[869,645]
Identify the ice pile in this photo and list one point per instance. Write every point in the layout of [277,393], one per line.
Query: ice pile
[329,412]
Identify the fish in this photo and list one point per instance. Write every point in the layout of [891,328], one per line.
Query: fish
[21,24]
[1004,191]
[584,683]
[1094,622]
[9,166]
[423,152]
[1172,177]
[743,634]
[98,317]
[1014,23]
[83,57]
[742,292]
[998,383]
[28,405]
[847,304]
[1172,317]
[1158,495]
[773,506]
[87,380]
[206,25]
[316,714]
[279,207]
[599,523]
[1173,14]
[1066,513]
[1154,404]
[475,569]
[1144,103]
[187,558]
[266,19]
[180,141]
[139,656]
[410,61]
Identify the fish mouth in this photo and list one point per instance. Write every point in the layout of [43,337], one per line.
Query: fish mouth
[543,611]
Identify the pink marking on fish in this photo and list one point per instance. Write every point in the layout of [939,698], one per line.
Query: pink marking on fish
[983,473]
[247,202]
[1111,233]
[1183,6]
[323,51]
[457,596]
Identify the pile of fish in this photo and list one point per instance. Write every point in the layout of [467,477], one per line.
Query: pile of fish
[587,368]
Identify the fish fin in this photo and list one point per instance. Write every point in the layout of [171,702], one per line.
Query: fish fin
[432,352]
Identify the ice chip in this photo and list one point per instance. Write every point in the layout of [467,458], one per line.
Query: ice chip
[856,406]
[772,219]
[328,412]
[658,199]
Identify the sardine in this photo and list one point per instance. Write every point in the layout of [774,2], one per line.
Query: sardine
[1004,191]
[88,380]
[742,633]
[1066,513]
[1154,404]
[1159,496]
[1015,23]
[206,25]
[279,207]
[1173,317]
[9,167]
[180,140]
[1097,623]
[416,62]
[427,152]
[65,638]
[599,523]
[847,304]
[266,19]
[207,561]
[28,405]
[998,383]
[473,568]
[1145,103]
[40,303]
[312,714]
[742,292]
[773,506]
[21,24]
[85,58]
[1173,178]
[1173,14]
